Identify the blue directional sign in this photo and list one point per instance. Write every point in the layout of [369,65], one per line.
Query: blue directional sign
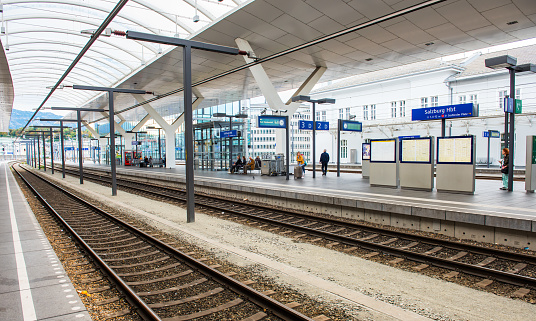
[228,133]
[409,137]
[444,112]
[69,148]
[272,122]
[135,142]
[352,126]
[308,125]
[494,134]
[508,105]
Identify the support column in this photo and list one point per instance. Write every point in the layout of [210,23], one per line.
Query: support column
[270,93]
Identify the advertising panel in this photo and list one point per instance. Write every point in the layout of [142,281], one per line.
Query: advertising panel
[383,151]
[365,151]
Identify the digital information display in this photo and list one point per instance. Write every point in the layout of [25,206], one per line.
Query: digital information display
[272,122]
[534,150]
[416,150]
[351,126]
[365,151]
[455,150]
[383,151]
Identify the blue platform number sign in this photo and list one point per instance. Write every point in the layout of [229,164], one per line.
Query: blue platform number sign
[494,134]
[272,122]
[508,105]
[443,112]
[228,133]
[352,126]
[308,125]
[135,143]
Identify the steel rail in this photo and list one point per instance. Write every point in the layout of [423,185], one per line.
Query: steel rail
[90,42]
[484,272]
[423,239]
[146,312]
[238,287]
[317,41]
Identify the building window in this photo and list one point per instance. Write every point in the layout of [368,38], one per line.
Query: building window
[324,115]
[393,109]
[347,112]
[341,113]
[344,148]
[402,106]
[518,93]
[365,112]
[372,112]
[424,102]
[317,116]
[462,99]
[473,99]
[434,101]
[502,94]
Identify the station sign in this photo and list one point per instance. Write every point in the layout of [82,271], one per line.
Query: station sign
[444,112]
[69,148]
[409,137]
[228,133]
[135,143]
[494,134]
[351,126]
[512,105]
[308,125]
[272,122]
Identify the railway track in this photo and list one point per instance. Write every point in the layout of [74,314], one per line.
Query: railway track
[490,264]
[159,281]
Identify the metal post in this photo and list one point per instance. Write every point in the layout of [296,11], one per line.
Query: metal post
[62,149]
[38,151]
[506,130]
[44,152]
[136,155]
[511,132]
[159,146]
[230,141]
[443,127]
[287,136]
[80,156]
[489,141]
[98,149]
[113,161]
[52,150]
[189,139]
[314,139]
[339,148]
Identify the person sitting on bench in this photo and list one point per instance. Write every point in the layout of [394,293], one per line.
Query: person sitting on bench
[258,163]
[237,165]
[250,165]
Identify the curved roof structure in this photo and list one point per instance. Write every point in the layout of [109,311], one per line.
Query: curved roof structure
[41,38]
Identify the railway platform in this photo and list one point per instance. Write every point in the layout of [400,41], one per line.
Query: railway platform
[34,285]
[490,215]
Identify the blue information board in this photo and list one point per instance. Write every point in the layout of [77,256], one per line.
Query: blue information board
[509,105]
[228,133]
[352,126]
[444,112]
[308,125]
[494,134]
[272,122]
[135,143]
[69,148]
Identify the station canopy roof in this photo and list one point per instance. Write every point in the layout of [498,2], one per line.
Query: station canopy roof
[45,36]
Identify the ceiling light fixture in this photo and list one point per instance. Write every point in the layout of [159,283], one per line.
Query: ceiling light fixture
[512,22]
[368,59]
[428,43]
[196,16]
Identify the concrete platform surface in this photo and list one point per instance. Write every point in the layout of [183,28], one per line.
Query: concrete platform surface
[34,284]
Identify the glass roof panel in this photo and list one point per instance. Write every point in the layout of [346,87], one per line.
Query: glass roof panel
[43,37]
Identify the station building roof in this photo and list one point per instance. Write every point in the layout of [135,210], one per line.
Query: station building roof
[46,34]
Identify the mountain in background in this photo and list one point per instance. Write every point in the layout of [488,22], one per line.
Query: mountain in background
[19,118]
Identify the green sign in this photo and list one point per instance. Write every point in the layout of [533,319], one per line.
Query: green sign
[533,149]
[518,106]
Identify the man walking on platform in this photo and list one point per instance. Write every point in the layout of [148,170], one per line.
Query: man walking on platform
[324,160]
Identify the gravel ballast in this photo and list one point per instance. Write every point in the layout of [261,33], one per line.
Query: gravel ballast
[370,290]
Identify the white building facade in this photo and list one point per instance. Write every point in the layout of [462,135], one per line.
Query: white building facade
[383,101]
